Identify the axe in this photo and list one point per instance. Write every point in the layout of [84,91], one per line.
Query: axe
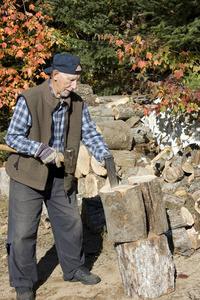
[111,170]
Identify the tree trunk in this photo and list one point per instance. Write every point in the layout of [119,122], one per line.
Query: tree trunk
[146,268]
[153,199]
[125,213]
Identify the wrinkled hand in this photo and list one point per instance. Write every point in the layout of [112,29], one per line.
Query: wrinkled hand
[49,155]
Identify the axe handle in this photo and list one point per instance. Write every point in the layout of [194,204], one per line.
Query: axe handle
[6,148]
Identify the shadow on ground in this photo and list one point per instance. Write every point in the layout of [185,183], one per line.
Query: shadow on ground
[92,247]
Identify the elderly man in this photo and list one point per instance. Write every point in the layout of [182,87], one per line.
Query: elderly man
[47,120]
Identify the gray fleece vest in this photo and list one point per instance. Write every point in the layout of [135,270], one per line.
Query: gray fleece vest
[41,104]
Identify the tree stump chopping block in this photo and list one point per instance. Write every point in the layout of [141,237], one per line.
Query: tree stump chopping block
[125,213]
[146,268]
[157,222]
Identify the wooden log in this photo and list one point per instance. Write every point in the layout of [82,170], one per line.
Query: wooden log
[196,197]
[153,200]
[192,154]
[124,160]
[125,213]
[116,134]
[158,162]
[141,134]
[131,122]
[100,114]
[97,168]
[187,216]
[81,185]
[175,219]
[122,112]
[93,183]
[188,167]
[83,162]
[194,237]
[172,173]
[173,201]
[112,100]
[180,238]
[147,268]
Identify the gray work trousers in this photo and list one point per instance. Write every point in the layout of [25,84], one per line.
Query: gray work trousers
[25,207]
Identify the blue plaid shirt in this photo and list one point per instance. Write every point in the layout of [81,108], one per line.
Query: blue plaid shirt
[21,122]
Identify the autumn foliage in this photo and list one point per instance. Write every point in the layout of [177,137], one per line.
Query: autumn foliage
[162,72]
[25,43]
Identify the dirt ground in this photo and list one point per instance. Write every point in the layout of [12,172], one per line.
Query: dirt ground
[101,258]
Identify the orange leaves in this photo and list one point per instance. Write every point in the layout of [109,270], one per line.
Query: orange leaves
[4,45]
[31,7]
[20,53]
[149,56]
[26,40]
[40,47]
[142,64]
[178,73]
[119,43]
[169,70]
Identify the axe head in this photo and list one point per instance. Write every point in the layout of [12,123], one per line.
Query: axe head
[111,170]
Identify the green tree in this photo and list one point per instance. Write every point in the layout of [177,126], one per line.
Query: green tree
[177,23]
[82,24]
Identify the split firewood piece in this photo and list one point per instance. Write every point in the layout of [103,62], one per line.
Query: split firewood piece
[125,213]
[81,185]
[124,160]
[172,173]
[131,122]
[83,162]
[191,154]
[181,239]
[197,217]
[116,134]
[196,197]
[122,112]
[194,237]
[187,216]
[147,268]
[93,183]
[175,219]
[188,167]
[158,162]
[97,168]
[154,204]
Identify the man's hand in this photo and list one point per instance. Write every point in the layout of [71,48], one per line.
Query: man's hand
[49,155]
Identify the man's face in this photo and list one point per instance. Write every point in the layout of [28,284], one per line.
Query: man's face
[63,84]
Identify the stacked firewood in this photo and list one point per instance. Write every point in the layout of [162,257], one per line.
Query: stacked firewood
[119,120]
